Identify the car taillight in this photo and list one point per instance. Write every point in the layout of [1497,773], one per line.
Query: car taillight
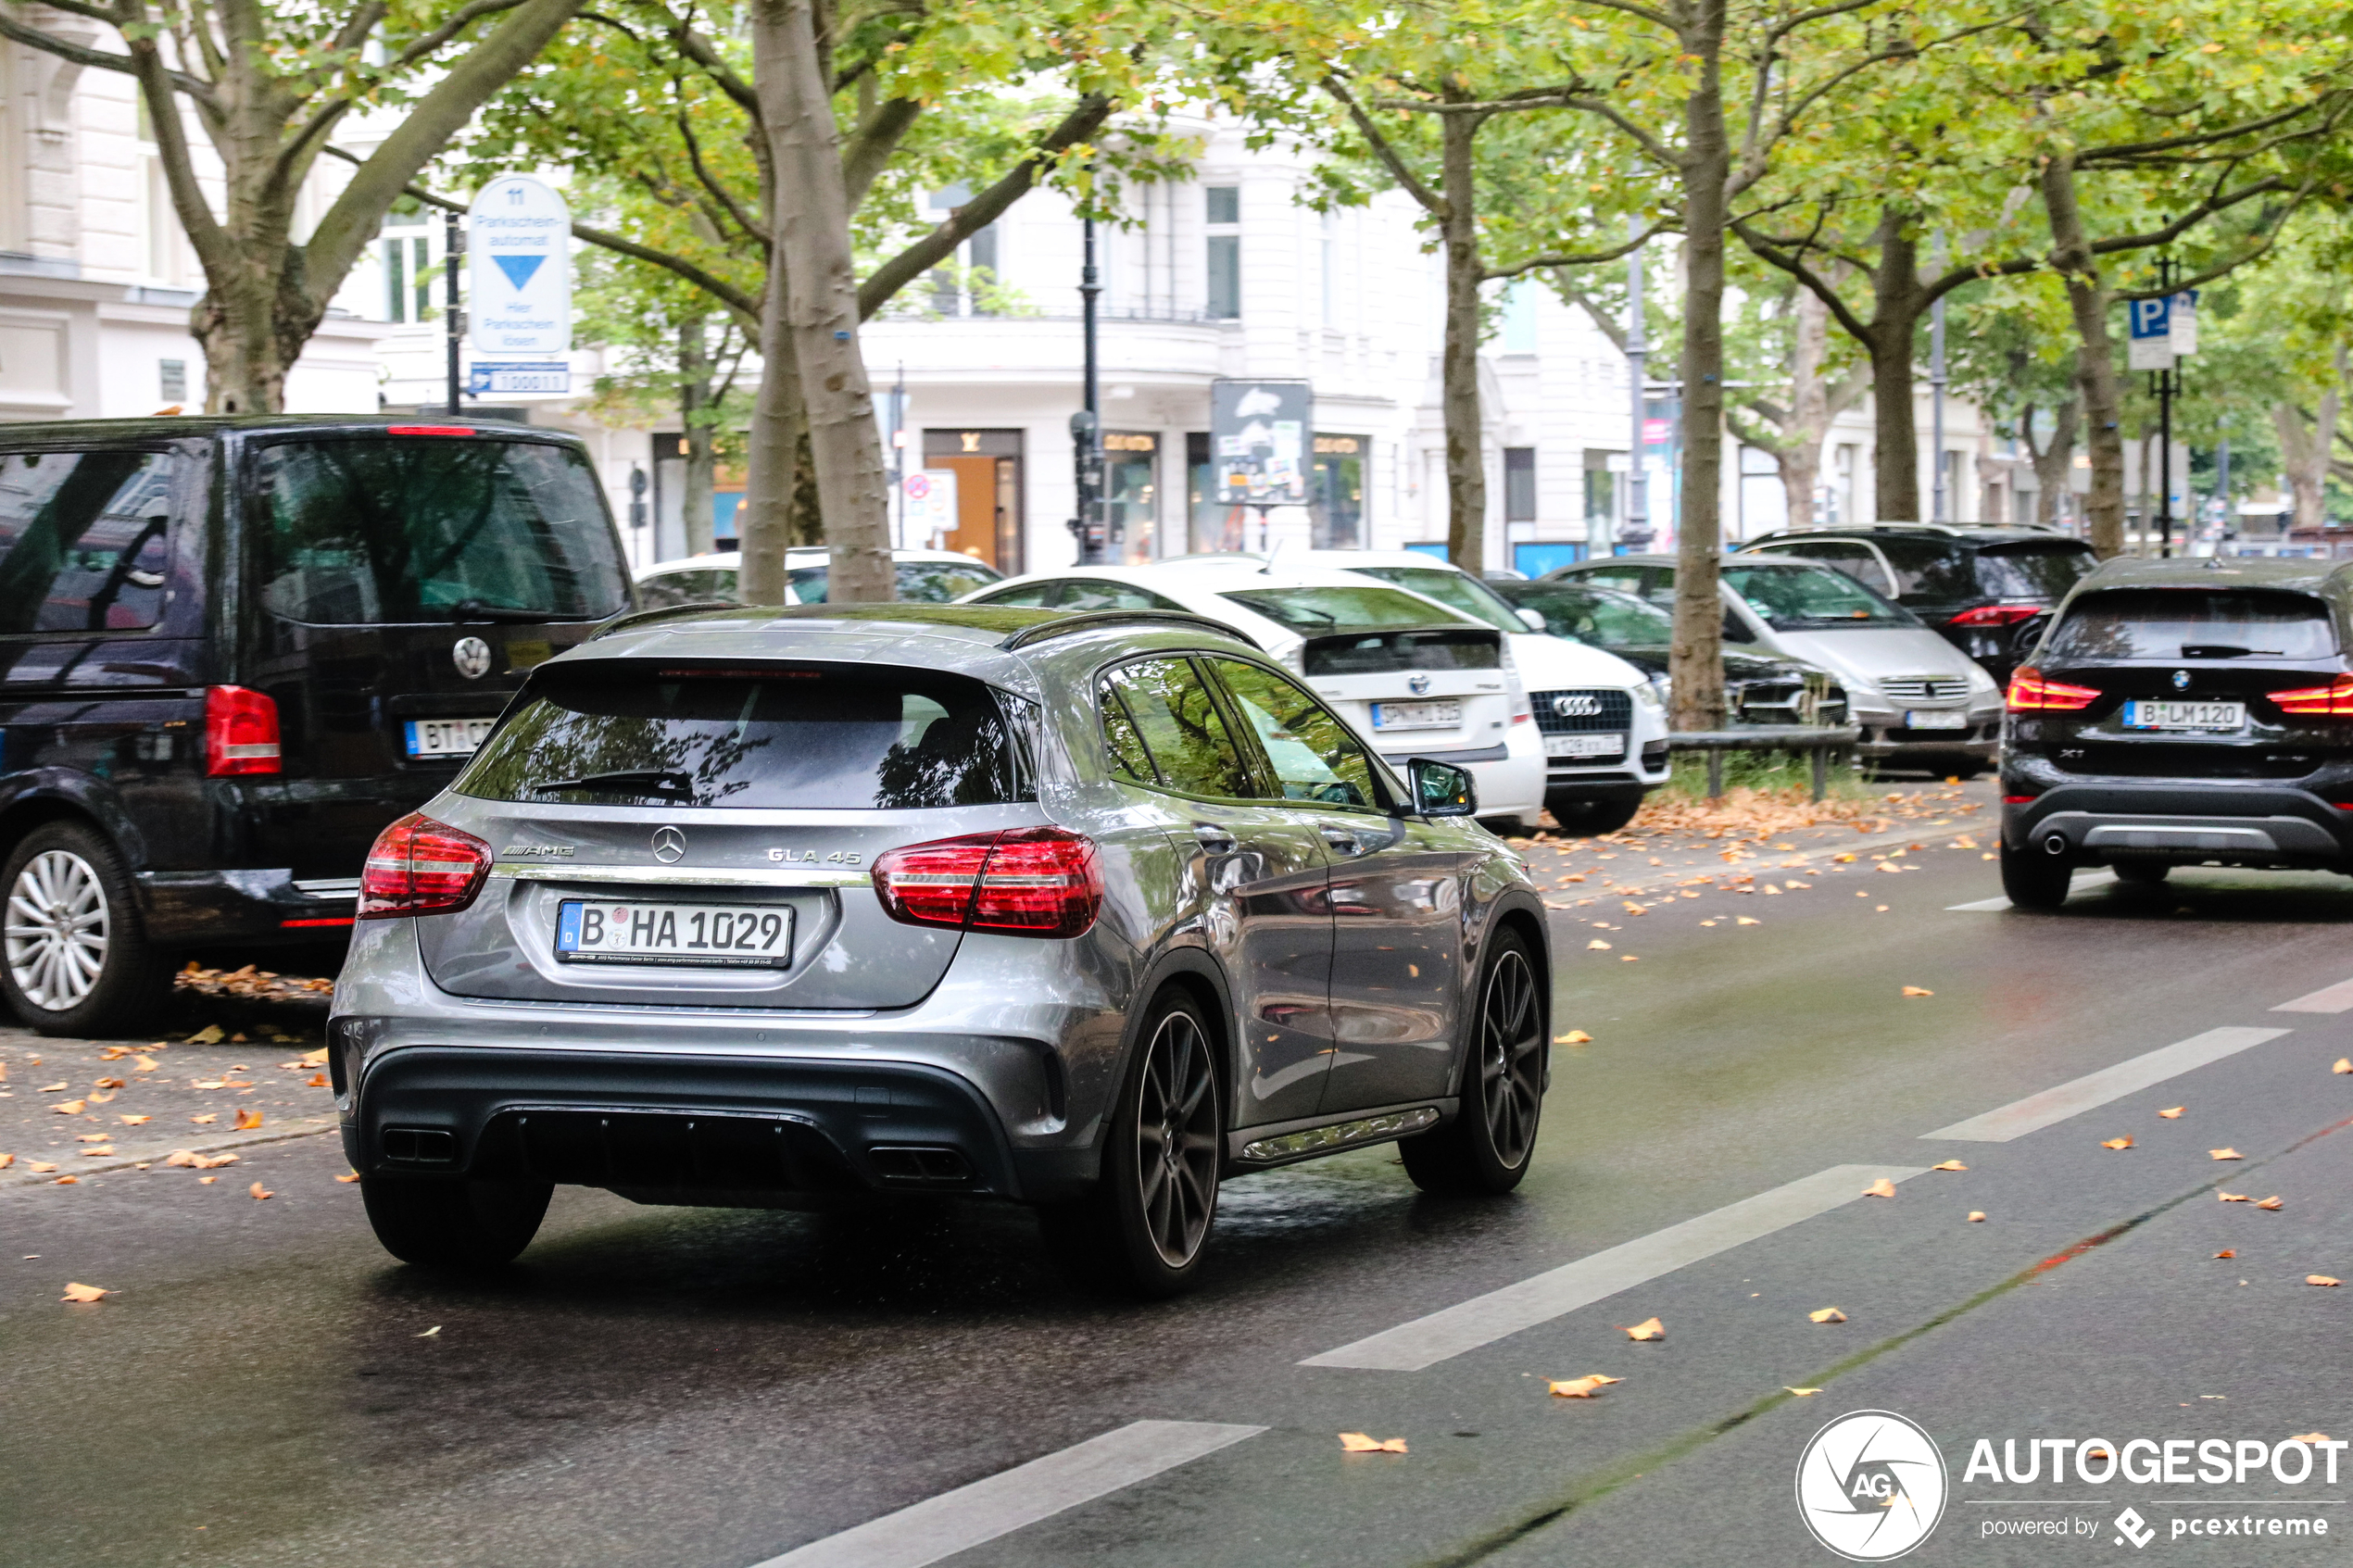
[420,867]
[1996,615]
[2031,693]
[1029,882]
[240,731]
[2332,701]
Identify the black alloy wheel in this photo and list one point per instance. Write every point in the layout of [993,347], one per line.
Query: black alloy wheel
[1487,1148]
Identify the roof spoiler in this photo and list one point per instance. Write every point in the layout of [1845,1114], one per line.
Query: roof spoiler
[1089,619]
[631,618]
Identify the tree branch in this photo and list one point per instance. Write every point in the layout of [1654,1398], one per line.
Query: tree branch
[1431,201]
[472,11]
[866,152]
[1583,301]
[1793,262]
[1493,274]
[15,31]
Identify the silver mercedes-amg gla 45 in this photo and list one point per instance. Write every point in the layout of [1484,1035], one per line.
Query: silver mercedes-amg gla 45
[788,908]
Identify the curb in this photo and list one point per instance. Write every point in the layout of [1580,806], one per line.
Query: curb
[310,1127]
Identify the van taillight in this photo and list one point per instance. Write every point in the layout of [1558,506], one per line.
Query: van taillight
[1027,882]
[240,731]
[2332,701]
[2031,693]
[421,867]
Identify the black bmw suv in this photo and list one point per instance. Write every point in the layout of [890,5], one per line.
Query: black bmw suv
[232,650]
[2182,713]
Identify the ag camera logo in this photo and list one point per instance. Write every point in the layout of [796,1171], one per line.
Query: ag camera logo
[1871,1485]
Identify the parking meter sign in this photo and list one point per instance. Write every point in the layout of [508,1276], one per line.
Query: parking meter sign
[2152,323]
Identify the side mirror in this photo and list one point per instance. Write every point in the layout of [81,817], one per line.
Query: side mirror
[1441,789]
[1531,620]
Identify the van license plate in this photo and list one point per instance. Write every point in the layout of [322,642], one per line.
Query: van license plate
[1612,744]
[675,936]
[1416,715]
[1932,718]
[447,737]
[2143,714]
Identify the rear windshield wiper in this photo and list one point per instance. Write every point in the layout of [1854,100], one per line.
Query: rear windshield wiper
[2226,650]
[639,781]
[474,609]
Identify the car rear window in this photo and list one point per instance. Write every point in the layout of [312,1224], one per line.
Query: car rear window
[1377,653]
[383,529]
[1600,617]
[824,738]
[1801,598]
[2037,570]
[2190,624]
[1310,610]
[1456,590]
[924,581]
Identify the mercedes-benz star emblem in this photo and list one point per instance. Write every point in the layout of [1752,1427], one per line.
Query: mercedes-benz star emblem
[471,656]
[669,845]
[1417,685]
[2181,679]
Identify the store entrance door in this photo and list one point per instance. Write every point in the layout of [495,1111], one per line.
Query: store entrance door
[986,464]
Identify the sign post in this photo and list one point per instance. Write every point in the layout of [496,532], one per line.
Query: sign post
[2164,330]
[518,247]
[1258,445]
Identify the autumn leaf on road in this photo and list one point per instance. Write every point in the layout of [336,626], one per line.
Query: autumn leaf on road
[2322,1279]
[2271,1202]
[1802,1393]
[206,1120]
[52,1089]
[2309,1438]
[2173,1114]
[1917,991]
[41,1166]
[190,1159]
[210,1034]
[1358,1443]
[2228,1252]
[353,1177]
[1949,1165]
[7,1161]
[1976,1216]
[2225,1154]
[248,1120]
[1881,1188]
[315,1081]
[2124,1142]
[1653,1329]
[1597,946]
[84,1293]
[2343,1064]
[129,1121]
[1581,1387]
[1828,1314]
[70,1107]
[1574,1037]
[260,1192]
[2231,1196]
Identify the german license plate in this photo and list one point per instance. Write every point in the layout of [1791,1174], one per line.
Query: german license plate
[1935,719]
[2144,714]
[447,737]
[675,936]
[1612,744]
[1416,715]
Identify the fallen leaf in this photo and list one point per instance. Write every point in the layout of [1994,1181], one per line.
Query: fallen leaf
[2309,1438]
[2097,1452]
[248,1120]
[1828,1314]
[1844,860]
[2343,1064]
[52,1089]
[2231,1196]
[1597,946]
[1574,1037]
[143,1064]
[2226,1154]
[109,1084]
[260,1192]
[2322,1279]
[1747,920]
[353,1177]
[315,1081]
[190,1159]
[1804,1393]
[93,1137]
[210,1035]
[2124,1142]
[70,1107]
[1629,958]
[7,1161]
[1350,1442]
[1949,1165]
[2172,1115]
[1976,1216]
[208,1084]
[84,1293]
[102,1148]
[1653,1329]
[1881,1188]
[1581,1388]
[1917,991]
[2228,1252]
[436,1329]
[42,1166]
[129,1121]
[2271,1202]
[205,1120]
[69,1181]
[1887,866]
[206,1181]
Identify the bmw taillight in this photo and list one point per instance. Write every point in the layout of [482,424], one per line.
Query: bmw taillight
[421,867]
[240,732]
[2030,693]
[1995,615]
[2332,701]
[1027,882]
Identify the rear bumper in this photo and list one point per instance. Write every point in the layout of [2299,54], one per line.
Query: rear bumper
[2185,823]
[1884,735]
[245,907]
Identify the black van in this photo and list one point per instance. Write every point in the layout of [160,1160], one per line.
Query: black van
[232,650]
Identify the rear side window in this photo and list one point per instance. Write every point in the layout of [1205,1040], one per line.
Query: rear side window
[1598,616]
[385,531]
[1859,562]
[1162,723]
[698,586]
[848,738]
[82,540]
[2038,571]
[1795,598]
[2190,624]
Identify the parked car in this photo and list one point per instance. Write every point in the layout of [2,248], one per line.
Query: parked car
[756,906]
[1413,676]
[2182,713]
[1918,699]
[925,577]
[1989,591]
[1759,687]
[233,649]
[1604,726]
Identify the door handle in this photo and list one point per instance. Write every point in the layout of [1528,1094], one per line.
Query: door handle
[1342,840]
[1215,840]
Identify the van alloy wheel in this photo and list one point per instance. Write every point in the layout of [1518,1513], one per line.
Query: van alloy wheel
[56,929]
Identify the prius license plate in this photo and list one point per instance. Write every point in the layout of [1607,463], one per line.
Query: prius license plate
[447,737]
[2143,714]
[675,936]
[1416,715]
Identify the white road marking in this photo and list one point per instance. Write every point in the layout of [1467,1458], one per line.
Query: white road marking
[952,1521]
[1484,1319]
[2083,880]
[2328,998]
[2037,1111]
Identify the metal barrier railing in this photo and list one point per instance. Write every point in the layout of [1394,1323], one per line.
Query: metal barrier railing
[1821,739]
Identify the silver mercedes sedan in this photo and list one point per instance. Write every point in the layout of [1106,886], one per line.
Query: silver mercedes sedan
[782,909]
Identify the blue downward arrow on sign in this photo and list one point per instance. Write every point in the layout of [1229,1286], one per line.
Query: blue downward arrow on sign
[519,269]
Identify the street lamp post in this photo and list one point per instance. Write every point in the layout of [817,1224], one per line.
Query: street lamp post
[1936,411]
[1637,353]
[1086,426]
[454,319]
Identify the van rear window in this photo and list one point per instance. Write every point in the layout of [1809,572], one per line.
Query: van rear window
[377,530]
[1377,653]
[2190,624]
[2039,571]
[826,738]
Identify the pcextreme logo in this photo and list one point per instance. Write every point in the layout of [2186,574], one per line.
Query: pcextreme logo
[1871,1485]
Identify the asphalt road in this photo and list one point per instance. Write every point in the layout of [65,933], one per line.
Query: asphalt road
[664,1387]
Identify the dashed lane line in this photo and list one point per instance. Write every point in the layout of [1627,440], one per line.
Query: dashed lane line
[954,1522]
[1485,1319]
[2083,880]
[2037,1111]
[2328,998]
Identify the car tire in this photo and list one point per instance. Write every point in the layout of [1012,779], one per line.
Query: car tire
[1593,816]
[1487,1148]
[1505,827]
[1144,1227]
[2033,880]
[454,1224]
[2141,873]
[74,953]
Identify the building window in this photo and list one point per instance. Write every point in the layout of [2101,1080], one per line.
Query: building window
[968,286]
[1516,331]
[1225,204]
[1336,492]
[1224,293]
[1131,493]
[1519,484]
[1601,488]
[1842,511]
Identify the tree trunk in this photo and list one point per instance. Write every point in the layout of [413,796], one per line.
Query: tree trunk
[1466,454]
[763,527]
[1696,659]
[2305,444]
[1895,452]
[2052,463]
[1809,412]
[821,299]
[2095,362]
[696,414]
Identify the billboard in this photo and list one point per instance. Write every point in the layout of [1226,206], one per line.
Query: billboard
[1258,433]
